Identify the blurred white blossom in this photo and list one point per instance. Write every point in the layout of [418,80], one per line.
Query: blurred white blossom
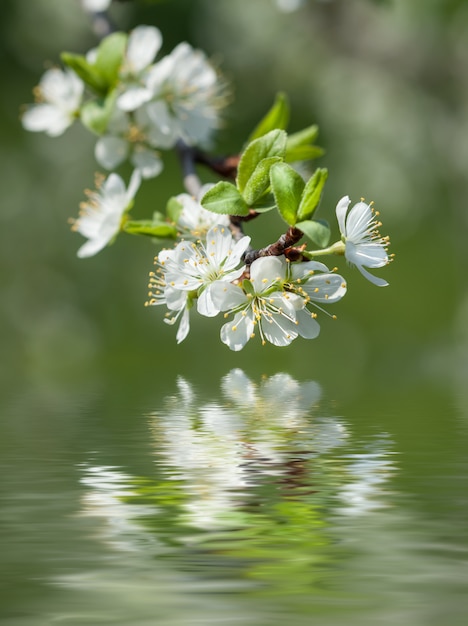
[101,215]
[58,96]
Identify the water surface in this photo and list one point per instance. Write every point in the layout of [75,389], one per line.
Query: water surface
[249,501]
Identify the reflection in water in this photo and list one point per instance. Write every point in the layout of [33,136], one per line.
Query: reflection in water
[245,486]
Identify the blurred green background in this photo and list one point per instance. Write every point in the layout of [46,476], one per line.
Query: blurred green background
[84,362]
[388,85]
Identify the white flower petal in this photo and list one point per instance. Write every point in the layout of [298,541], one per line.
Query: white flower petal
[218,244]
[176,300]
[62,88]
[265,271]
[227,296]
[236,333]
[358,221]
[302,270]
[91,247]
[46,118]
[111,151]
[368,254]
[279,331]
[133,97]
[184,326]
[133,186]
[308,326]
[341,210]
[144,43]
[147,162]
[380,282]
[206,305]
[326,288]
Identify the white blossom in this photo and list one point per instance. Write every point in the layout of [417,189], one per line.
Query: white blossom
[276,303]
[143,45]
[59,96]
[130,138]
[364,246]
[101,216]
[177,301]
[194,220]
[199,266]
[186,95]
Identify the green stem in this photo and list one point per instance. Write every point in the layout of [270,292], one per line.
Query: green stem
[337,248]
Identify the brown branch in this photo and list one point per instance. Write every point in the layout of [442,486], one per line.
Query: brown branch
[224,166]
[284,245]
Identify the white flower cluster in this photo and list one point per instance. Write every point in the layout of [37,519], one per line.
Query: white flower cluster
[271,299]
[138,106]
[155,104]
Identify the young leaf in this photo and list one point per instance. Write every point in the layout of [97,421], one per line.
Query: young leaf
[303,153]
[174,209]
[312,194]
[225,199]
[300,146]
[264,204]
[95,114]
[273,144]
[277,117]
[87,72]
[160,230]
[110,56]
[287,186]
[317,231]
[259,182]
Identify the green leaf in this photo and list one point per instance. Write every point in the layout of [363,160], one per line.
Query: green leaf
[312,194]
[303,153]
[287,186]
[277,117]
[259,182]
[265,203]
[174,209]
[87,72]
[273,144]
[160,230]
[110,56]
[316,230]
[224,199]
[95,114]
[300,146]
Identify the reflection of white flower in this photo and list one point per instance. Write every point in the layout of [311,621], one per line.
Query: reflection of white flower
[276,397]
[143,45]
[107,488]
[101,216]
[186,95]
[220,451]
[194,220]
[59,95]
[364,246]
[367,474]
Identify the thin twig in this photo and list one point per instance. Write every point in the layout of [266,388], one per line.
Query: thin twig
[100,21]
[224,166]
[192,182]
